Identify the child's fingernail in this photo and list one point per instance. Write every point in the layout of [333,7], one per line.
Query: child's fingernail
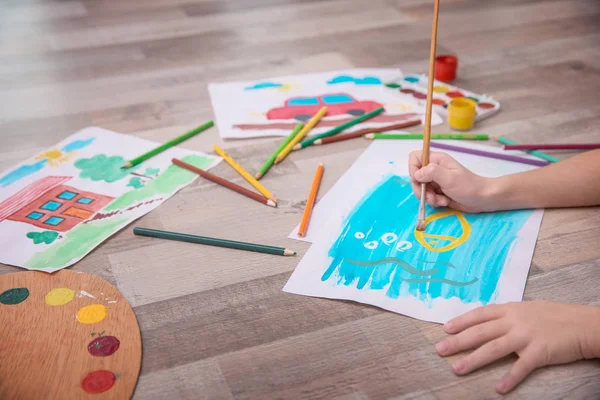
[441,347]
[459,366]
[448,325]
[501,386]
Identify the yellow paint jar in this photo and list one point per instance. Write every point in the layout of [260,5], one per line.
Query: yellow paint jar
[461,113]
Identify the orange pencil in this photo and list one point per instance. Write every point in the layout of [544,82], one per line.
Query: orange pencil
[312,197]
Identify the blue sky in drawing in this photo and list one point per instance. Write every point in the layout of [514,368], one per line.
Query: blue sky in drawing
[378,249]
[263,85]
[365,80]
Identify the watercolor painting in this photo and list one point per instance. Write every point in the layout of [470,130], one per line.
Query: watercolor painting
[52,217]
[365,246]
[274,106]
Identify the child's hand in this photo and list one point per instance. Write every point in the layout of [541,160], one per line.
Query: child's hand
[541,333]
[452,185]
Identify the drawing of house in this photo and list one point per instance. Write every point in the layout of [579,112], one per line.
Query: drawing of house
[50,204]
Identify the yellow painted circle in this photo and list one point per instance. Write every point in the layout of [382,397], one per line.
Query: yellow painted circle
[454,241]
[92,314]
[441,89]
[59,296]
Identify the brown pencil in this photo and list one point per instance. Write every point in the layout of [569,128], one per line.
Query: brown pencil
[422,221]
[362,132]
[310,203]
[224,182]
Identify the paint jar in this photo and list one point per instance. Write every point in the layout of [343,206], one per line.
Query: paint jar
[445,68]
[461,113]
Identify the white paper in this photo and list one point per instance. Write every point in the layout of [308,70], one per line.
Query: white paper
[385,159]
[59,205]
[261,109]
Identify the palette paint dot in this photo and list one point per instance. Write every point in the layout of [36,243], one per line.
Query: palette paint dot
[441,89]
[92,314]
[104,346]
[475,99]
[98,381]
[419,95]
[485,105]
[59,296]
[455,93]
[14,296]
[407,91]
[412,79]
[393,85]
[438,102]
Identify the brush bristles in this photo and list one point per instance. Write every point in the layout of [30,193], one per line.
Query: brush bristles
[421,225]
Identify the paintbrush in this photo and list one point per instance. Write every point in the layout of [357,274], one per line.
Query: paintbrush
[422,224]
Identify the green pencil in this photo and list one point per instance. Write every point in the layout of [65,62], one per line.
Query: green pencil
[165,146]
[338,129]
[269,163]
[536,153]
[231,244]
[438,136]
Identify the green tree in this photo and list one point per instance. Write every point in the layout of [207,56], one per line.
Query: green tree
[43,237]
[136,182]
[102,168]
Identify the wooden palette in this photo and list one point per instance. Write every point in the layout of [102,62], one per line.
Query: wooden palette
[59,342]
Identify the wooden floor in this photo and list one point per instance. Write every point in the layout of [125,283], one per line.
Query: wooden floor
[215,323]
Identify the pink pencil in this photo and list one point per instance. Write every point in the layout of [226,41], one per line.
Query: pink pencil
[581,146]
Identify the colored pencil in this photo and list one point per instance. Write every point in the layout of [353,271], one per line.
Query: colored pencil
[536,153]
[303,132]
[224,182]
[338,129]
[362,132]
[421,222]
[240,170]
[167,145]
[490,154]
[231,244]
[579,146]
[438,136]
[269,163]
[312,197]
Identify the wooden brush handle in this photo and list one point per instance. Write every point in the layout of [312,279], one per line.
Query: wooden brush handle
[428,108]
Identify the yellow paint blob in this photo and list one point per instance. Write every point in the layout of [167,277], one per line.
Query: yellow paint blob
[454,241]
[92,314]
[59,296]
[441,89]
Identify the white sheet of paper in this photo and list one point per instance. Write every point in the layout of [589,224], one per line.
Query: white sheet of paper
[385,158]
[273,107]
[59,205]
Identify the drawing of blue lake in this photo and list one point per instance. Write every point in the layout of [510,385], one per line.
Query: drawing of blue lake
[458,256]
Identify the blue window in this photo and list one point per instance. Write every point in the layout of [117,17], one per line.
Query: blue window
[85,200]
[66,195]
[54,221]
[306,101]
[337,99]
[35,215]
[51,205]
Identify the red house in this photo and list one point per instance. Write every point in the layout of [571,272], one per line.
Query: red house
[49,204]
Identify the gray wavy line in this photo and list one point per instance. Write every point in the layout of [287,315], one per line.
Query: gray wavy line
[442,280]
[409,268]
[448,264]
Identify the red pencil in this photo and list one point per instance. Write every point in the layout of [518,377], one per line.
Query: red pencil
[224,182]
[362,132]
[570,146]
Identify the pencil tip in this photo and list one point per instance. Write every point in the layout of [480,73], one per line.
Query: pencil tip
[127,165]
[370,136]
[258,175]
[271,203]
[318,142]
[287,252]
[297,147]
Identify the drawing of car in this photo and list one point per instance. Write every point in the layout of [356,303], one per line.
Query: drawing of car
[303,108]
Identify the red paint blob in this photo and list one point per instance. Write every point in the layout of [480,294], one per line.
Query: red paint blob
[103,346]
[418,95]
[98,381]
[439,102]
[407,91]
[455,93]
[485,105]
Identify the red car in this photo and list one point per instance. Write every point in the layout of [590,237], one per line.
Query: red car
[303,108]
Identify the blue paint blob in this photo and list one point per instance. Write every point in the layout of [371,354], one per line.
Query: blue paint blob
[384,220]
[366,80]
[77,145]
[22,172]
[263,85]
[411,79]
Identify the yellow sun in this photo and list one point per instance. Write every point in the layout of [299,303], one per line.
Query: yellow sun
[55,157]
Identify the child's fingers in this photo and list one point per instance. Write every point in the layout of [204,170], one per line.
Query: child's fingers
[414,162]
[489,352]
[472,337]
[519,371]
[474,317]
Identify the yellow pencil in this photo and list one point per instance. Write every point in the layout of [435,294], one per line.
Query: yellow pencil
[309,125]
[240,170]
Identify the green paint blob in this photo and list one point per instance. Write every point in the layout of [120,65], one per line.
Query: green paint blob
[102,168]
[14,296]
[136,182]
[152,171]
[166,183]
[393,85]
[43,237]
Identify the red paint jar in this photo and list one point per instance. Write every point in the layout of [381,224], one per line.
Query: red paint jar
[445,68]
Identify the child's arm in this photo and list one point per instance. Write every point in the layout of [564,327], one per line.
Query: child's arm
[574,182]
[540,333]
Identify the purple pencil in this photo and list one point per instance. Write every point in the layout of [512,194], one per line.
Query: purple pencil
[482,153]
